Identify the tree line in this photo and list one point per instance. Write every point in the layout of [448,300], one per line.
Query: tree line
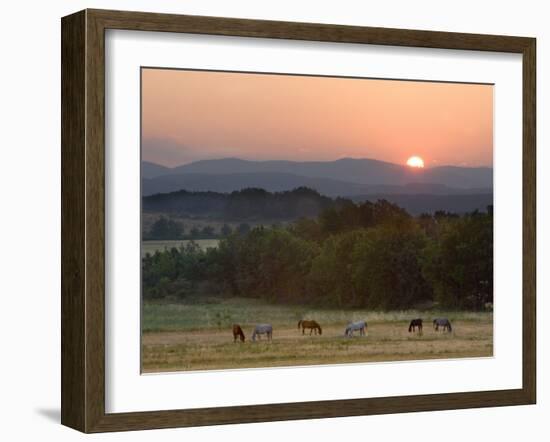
[166,228]
[369,255]
[245,204]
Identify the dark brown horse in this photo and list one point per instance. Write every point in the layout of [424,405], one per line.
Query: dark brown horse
[312,325]
[237,333]
[414,324]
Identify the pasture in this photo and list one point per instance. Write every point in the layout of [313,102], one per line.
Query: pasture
[196,334]
[160,245]
[149,218]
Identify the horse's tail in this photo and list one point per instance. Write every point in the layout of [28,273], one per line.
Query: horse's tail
[410,327]
[254,336]
[449,324]
[435,322]
[299,323]
[320,329]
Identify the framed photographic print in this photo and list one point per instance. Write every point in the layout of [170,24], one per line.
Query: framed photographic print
[271,220]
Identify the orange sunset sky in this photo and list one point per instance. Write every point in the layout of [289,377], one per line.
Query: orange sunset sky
[194,115]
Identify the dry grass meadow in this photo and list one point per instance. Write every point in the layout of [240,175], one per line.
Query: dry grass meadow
[197,336]
[153,246]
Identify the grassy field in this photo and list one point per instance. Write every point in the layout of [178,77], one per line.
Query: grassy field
[149,218]
[196,335]
[152,246]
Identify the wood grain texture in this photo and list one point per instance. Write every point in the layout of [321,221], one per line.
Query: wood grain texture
[529,221]
[144,21]
[83,220]
[73,255]
[95,222]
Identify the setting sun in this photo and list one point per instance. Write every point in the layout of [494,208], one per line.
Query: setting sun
[415,162]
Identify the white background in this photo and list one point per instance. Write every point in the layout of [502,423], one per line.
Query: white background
[30,221]
[128,391]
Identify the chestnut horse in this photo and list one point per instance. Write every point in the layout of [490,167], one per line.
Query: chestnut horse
[312,325]
[237,333]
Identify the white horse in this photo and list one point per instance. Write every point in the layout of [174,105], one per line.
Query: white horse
[263,329]
[354,326]
[442,322]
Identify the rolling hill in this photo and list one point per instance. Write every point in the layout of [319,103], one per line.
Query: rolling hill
[344,177]
[450,188]
[277,182]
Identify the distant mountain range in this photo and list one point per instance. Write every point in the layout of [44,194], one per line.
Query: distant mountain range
[278,182]
[345,177]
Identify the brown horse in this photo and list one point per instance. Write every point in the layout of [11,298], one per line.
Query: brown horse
[237,332]
[416,323]
[312,325]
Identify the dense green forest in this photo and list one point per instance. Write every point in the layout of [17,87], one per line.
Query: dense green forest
[373,255]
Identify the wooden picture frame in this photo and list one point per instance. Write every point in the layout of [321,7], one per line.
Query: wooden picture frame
[83,220]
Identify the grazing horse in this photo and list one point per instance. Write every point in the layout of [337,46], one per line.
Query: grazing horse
[353,326]
[414,324]
[442,322]
[312,325]
[263,329]
[237,333]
